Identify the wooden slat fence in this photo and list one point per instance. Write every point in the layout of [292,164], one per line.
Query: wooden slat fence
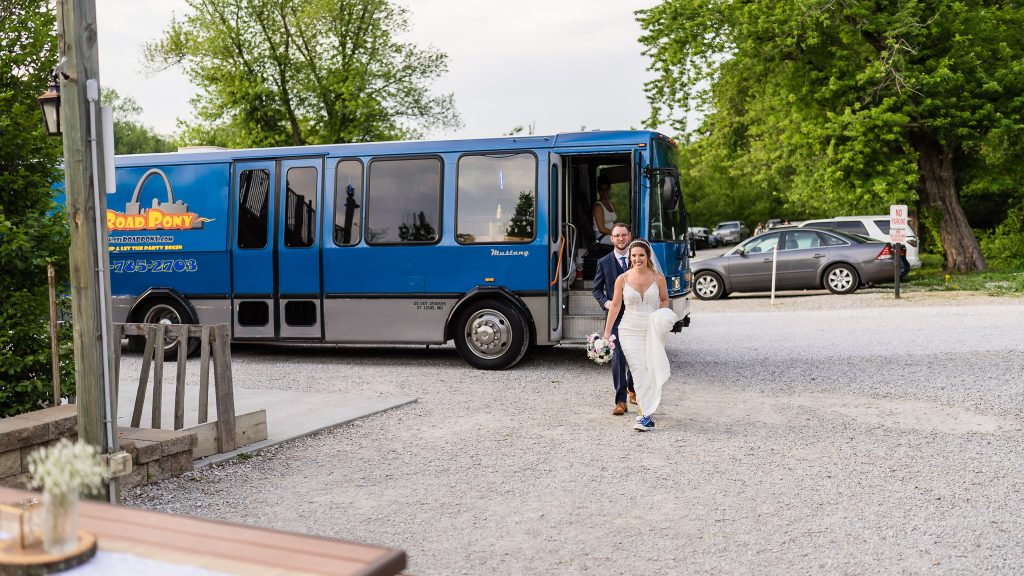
[215,344]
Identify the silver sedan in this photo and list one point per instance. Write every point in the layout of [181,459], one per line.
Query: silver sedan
[807,258]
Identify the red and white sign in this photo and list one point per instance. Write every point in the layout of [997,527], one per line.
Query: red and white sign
[897,236]
[898,220]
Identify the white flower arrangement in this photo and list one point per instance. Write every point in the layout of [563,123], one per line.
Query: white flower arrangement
[600,350]
[66,467]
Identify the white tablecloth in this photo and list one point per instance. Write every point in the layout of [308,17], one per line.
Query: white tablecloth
[121,564]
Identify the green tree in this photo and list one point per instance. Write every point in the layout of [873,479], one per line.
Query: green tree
[32,232]
[291,72]
[131,136]
[520,225]
[842,106]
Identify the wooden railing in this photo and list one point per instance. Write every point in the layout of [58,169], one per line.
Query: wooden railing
[215,345]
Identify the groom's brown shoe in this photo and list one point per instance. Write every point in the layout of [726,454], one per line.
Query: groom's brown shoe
[620,409]
[632,396]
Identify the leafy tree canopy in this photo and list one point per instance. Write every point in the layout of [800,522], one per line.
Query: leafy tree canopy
[829,107]
[131,136]
[32,233]
[291,72]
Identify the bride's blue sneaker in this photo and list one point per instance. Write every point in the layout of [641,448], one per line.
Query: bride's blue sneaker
[644,424]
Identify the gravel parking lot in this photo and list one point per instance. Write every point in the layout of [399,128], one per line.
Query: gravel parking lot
[827,434]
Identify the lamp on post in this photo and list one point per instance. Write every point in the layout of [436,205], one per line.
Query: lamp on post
[49,102]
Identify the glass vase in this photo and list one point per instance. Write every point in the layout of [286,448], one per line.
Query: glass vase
[60,521]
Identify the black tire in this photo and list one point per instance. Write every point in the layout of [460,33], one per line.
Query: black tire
[708,286]
[841,279]
[164,311]
[491,335]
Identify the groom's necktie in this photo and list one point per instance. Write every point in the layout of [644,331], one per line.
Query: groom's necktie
[622,262]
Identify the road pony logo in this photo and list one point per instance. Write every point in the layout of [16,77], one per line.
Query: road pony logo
[169,215]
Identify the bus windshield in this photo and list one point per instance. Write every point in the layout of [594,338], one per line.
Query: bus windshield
[667,215]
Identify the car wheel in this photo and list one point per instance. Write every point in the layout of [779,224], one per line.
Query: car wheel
[491,335]
[165,312]
[708,286]
[841,279]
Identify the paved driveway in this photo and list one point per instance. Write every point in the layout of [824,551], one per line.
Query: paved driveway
[829,434]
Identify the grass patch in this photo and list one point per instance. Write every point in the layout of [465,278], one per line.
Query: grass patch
[932,278]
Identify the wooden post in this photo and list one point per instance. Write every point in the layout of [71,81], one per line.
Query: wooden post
[140,393]
[158,376]
[54,345]
[77,42]
[179,383]
[223,388]
[204,375]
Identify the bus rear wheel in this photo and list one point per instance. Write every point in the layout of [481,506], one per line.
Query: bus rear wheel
[165,312]
[491,335]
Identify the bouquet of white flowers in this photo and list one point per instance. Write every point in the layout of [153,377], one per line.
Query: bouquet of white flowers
[600,350]
[62,470]
[66,467]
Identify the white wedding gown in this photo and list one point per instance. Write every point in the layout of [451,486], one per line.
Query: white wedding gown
[642,334]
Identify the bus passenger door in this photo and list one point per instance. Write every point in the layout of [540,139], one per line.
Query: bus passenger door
[298,252]
[252,249]
[561,248]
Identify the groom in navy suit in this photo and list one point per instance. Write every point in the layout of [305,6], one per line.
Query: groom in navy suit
[609,268]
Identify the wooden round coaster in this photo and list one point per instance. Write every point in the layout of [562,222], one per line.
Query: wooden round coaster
[34,561]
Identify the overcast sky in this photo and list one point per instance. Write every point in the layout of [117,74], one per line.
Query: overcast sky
[557,64]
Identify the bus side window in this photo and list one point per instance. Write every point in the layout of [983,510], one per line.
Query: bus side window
[300,208]
[403,201]
[348,199]
[496,199]
[253,204]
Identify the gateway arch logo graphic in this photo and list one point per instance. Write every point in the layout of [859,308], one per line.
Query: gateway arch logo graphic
[169,215]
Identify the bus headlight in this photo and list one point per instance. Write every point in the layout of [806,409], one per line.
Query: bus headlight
[676,284]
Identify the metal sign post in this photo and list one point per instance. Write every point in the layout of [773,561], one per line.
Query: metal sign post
[897,266]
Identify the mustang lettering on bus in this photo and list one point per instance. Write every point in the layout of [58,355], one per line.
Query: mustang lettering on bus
[170,215]
[509,252]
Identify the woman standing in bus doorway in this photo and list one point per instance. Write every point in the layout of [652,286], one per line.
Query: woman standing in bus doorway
[604,212]
[643,329]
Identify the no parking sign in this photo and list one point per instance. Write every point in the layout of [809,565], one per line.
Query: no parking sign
[897,235]
[898,223]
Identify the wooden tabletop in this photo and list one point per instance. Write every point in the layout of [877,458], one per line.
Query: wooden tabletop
[225,547]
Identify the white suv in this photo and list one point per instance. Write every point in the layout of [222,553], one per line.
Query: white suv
[876,227]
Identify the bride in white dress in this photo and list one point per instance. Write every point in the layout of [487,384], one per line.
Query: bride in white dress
[643,328]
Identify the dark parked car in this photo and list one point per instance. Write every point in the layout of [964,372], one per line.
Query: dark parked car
[703,238]
[732,231]
[808,258]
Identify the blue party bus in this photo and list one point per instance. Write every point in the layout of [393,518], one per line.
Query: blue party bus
[486,242]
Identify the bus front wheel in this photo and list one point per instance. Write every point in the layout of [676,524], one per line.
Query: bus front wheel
[165,312]
[491,335]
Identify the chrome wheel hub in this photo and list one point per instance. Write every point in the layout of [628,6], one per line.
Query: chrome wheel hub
[706,286]
[488,333]
[166,315]
[840,279]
